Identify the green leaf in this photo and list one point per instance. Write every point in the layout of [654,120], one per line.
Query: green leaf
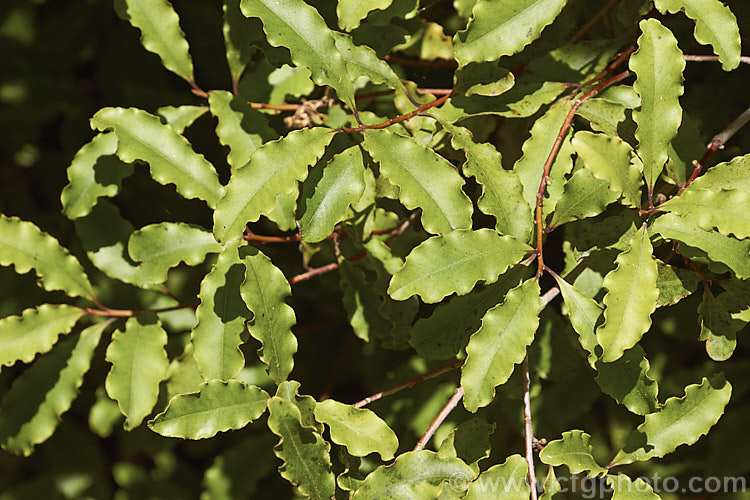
[675,284]
[631,298]
[307,463]
[160,247]
[425,179]
[470,442]
[298,27]
[625,488]
[351,12]
[35,331]
[359,429]
[264,290]
[181,117]
[734,174]
[161,34]
[414,474]
[240,127]
[144,137]
[680,421]
[274,169]
[500,344]
[583,196]
[510,477]
[218,406]
[718,328]
[30,411]
[93,173]
[610,159]
[486,79]
[658,65]
[221,318]
[627,381]
[603,115]
[719,248]
[323,204]
[361,60]
[503,28]
[584,313]
[714,209]
[289,391]
[239,34]
[573,451]
[139,364]
[454,262]
[715,25]
[26,247]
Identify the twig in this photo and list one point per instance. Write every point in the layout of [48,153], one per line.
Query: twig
[449,406]
[409,383]
[691,58]
[314,272]
[129,313]
[398,119]
[587,27]
[195,89]
[396,232]
[249,236]
[528,430]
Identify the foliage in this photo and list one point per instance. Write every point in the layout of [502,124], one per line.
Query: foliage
[543,246]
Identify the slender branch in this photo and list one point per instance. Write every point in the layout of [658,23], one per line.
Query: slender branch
[409,383]
[528,430]
[449,406]
[129,313]
[314,272]
[195,89]
[398,119]
[587,27]
[251,237]
[691,58]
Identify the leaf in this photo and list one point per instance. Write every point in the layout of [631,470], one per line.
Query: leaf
[139,364]
[470,442]
[482,79]
[510,478]
[680,421]
[734,174]
[239,34]
[414,474]
[323,204]
[218,406]
[240,127]
[305,455]
[161,34]
[352,12]
[160,247]
[627,381]
[603,115]
[625,488]
[609,159]
[298,27]
[503,28]
[274,169]
[573,451]
[172,160]
[658,65]
[714,209]
[583,313]
[674,284]
[26,247]
[454,262]
[31,409]
[181,117]
[93,173]
[718,328]
[361,60]
[221,318]
[715,25]
[719,248]
[360,430]
[630,299]
[289,391]
[425,180]
[494,350]
[35,331]
[583,196]
[264,290]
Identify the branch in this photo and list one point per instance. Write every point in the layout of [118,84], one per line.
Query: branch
[690,58]
[528,431]
[398,119]
[106,312]
[587,27]
[449,406]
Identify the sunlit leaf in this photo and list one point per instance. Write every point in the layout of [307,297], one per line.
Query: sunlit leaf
[718,328]
[584,314]
[628,382]
[734,174]
[510,477]
[181,117]
[723,210]
[625,488]
[675,284]
[361,60]
[351,12]
[573,451]
[583,196]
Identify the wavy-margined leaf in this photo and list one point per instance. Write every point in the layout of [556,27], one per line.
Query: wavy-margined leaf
[30,411]
[239,33]
[630,299]
[323,204]
[487,79]
[503,28]
[734,174]
[361,61]
[510,477]
[675,284]
[624,488]
[139,364]
[162,246]
[298,27]
[502,192]
[718,328]
[161,34]
[454,262]
[181,117]
[221,318]
[143,136]
[35,331]
[93,173]
[351,12]
[715,25]
[470,442]
[414,474]
[583,196]
[603,115]
[26,247]
[359,429]
[725,210]
[627,381]
[305,455]
[274,169]
[680,421]
[425,180]
[218,406]
[494,350]
[658,65]
[573,451]
[583,314]
[264,290]
[289,391]
[609,159]
[734,253]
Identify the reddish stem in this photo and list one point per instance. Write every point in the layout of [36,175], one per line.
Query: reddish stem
[398,119]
